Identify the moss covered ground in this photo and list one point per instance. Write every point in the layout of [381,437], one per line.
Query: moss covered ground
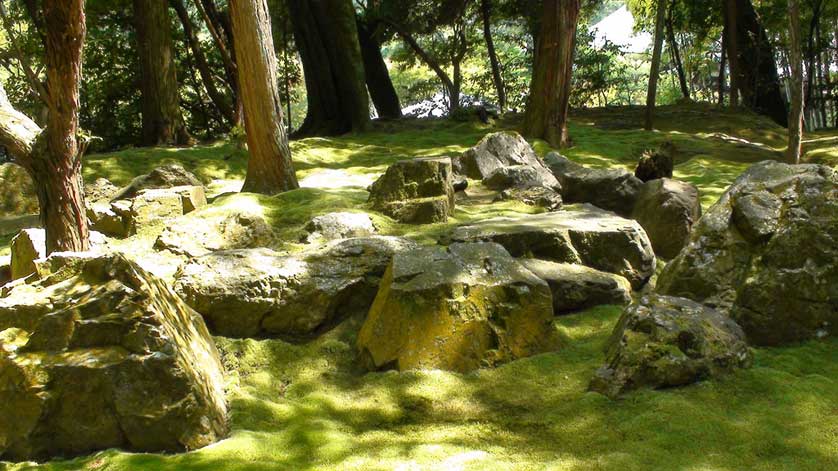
[308,406]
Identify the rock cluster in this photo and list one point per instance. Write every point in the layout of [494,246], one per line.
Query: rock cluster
[417,191]
[100,354]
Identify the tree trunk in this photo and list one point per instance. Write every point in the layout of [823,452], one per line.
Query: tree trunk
[755,70]
[796,64]
[549,101]
[269,169]
[327,39]
[810,60]
[162,120]
[676,55]
[218,99]
[221,33]
[654,71]
[722,67]
[377,77]
[448,85]
[731,32]
[486,11]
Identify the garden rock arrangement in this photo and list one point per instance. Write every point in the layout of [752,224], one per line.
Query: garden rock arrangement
[458,308]
[667,210]
[584,235]
[333,226]
[577,287]
[259,292]
[611,189]
[665,341]
[100,354]
[418,191]
[767,254]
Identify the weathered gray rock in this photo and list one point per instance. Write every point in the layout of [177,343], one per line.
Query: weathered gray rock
[667,210]
[540,196]
[521,177]
[146,210]
[497,150]
[417,191]
[577,287]
[100,190]
[17,191]
[767,254]
[166,176]
[657,163]
[209,230]
[612,189]
[259,292]
[664,341]
[100,354]
[28,246]
[584,235]
[460,308]
[343,225]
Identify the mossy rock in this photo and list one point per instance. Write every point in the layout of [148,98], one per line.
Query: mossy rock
[418,191]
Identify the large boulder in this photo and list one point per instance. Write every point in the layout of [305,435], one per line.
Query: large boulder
[343,225]
[498,150]
[577,287]
[667,210]
[521,177]
[166,176]
[17,191]
[259,292]
[100,354]
[417,191]
[582,235]
[612,189]
[27,246]
[458,309]
[767,254]
[664,341]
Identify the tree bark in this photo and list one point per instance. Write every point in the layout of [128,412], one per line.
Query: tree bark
[221,102]
[222,36]
[810,59]
[755,71]
[549,101]
[327,39]
[654,71]
[269,169]
[722,69]
[796,64]
[162,119]
[731,32]
[676,55]
[497,77]
[377,77]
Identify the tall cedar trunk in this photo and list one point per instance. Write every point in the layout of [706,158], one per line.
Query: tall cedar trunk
[219,28]
[731,32]
[162,120]
[810,60]
[722,68]
[549,101]
[327,39]
[796,64]
[486,11]
[221,102]
[822,86]
[377,77]
[269,169]
[755,71]
[676,55]
[654,71]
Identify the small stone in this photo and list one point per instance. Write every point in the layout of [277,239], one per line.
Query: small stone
[29,245]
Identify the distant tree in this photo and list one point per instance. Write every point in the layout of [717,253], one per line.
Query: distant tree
[371,34]
[549,102]
[672,41]
[53,156]
[654,69]
[326,35]
[269,169]
[486,14]
[162,119]
[796,64]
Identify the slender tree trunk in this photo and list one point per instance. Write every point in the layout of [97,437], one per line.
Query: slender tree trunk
[549,101]
[755,69]
[221,102]
[447,84]
[810,60]
[796,63]
[497,77]
[222,36]
[162,119]
[722,68]
[377,77]
[731,33]
[654,71]
[269,169]
[823,89]
[676,55]
[327,39]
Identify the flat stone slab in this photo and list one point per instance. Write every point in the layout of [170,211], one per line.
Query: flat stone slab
[577,287]
[584,235]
